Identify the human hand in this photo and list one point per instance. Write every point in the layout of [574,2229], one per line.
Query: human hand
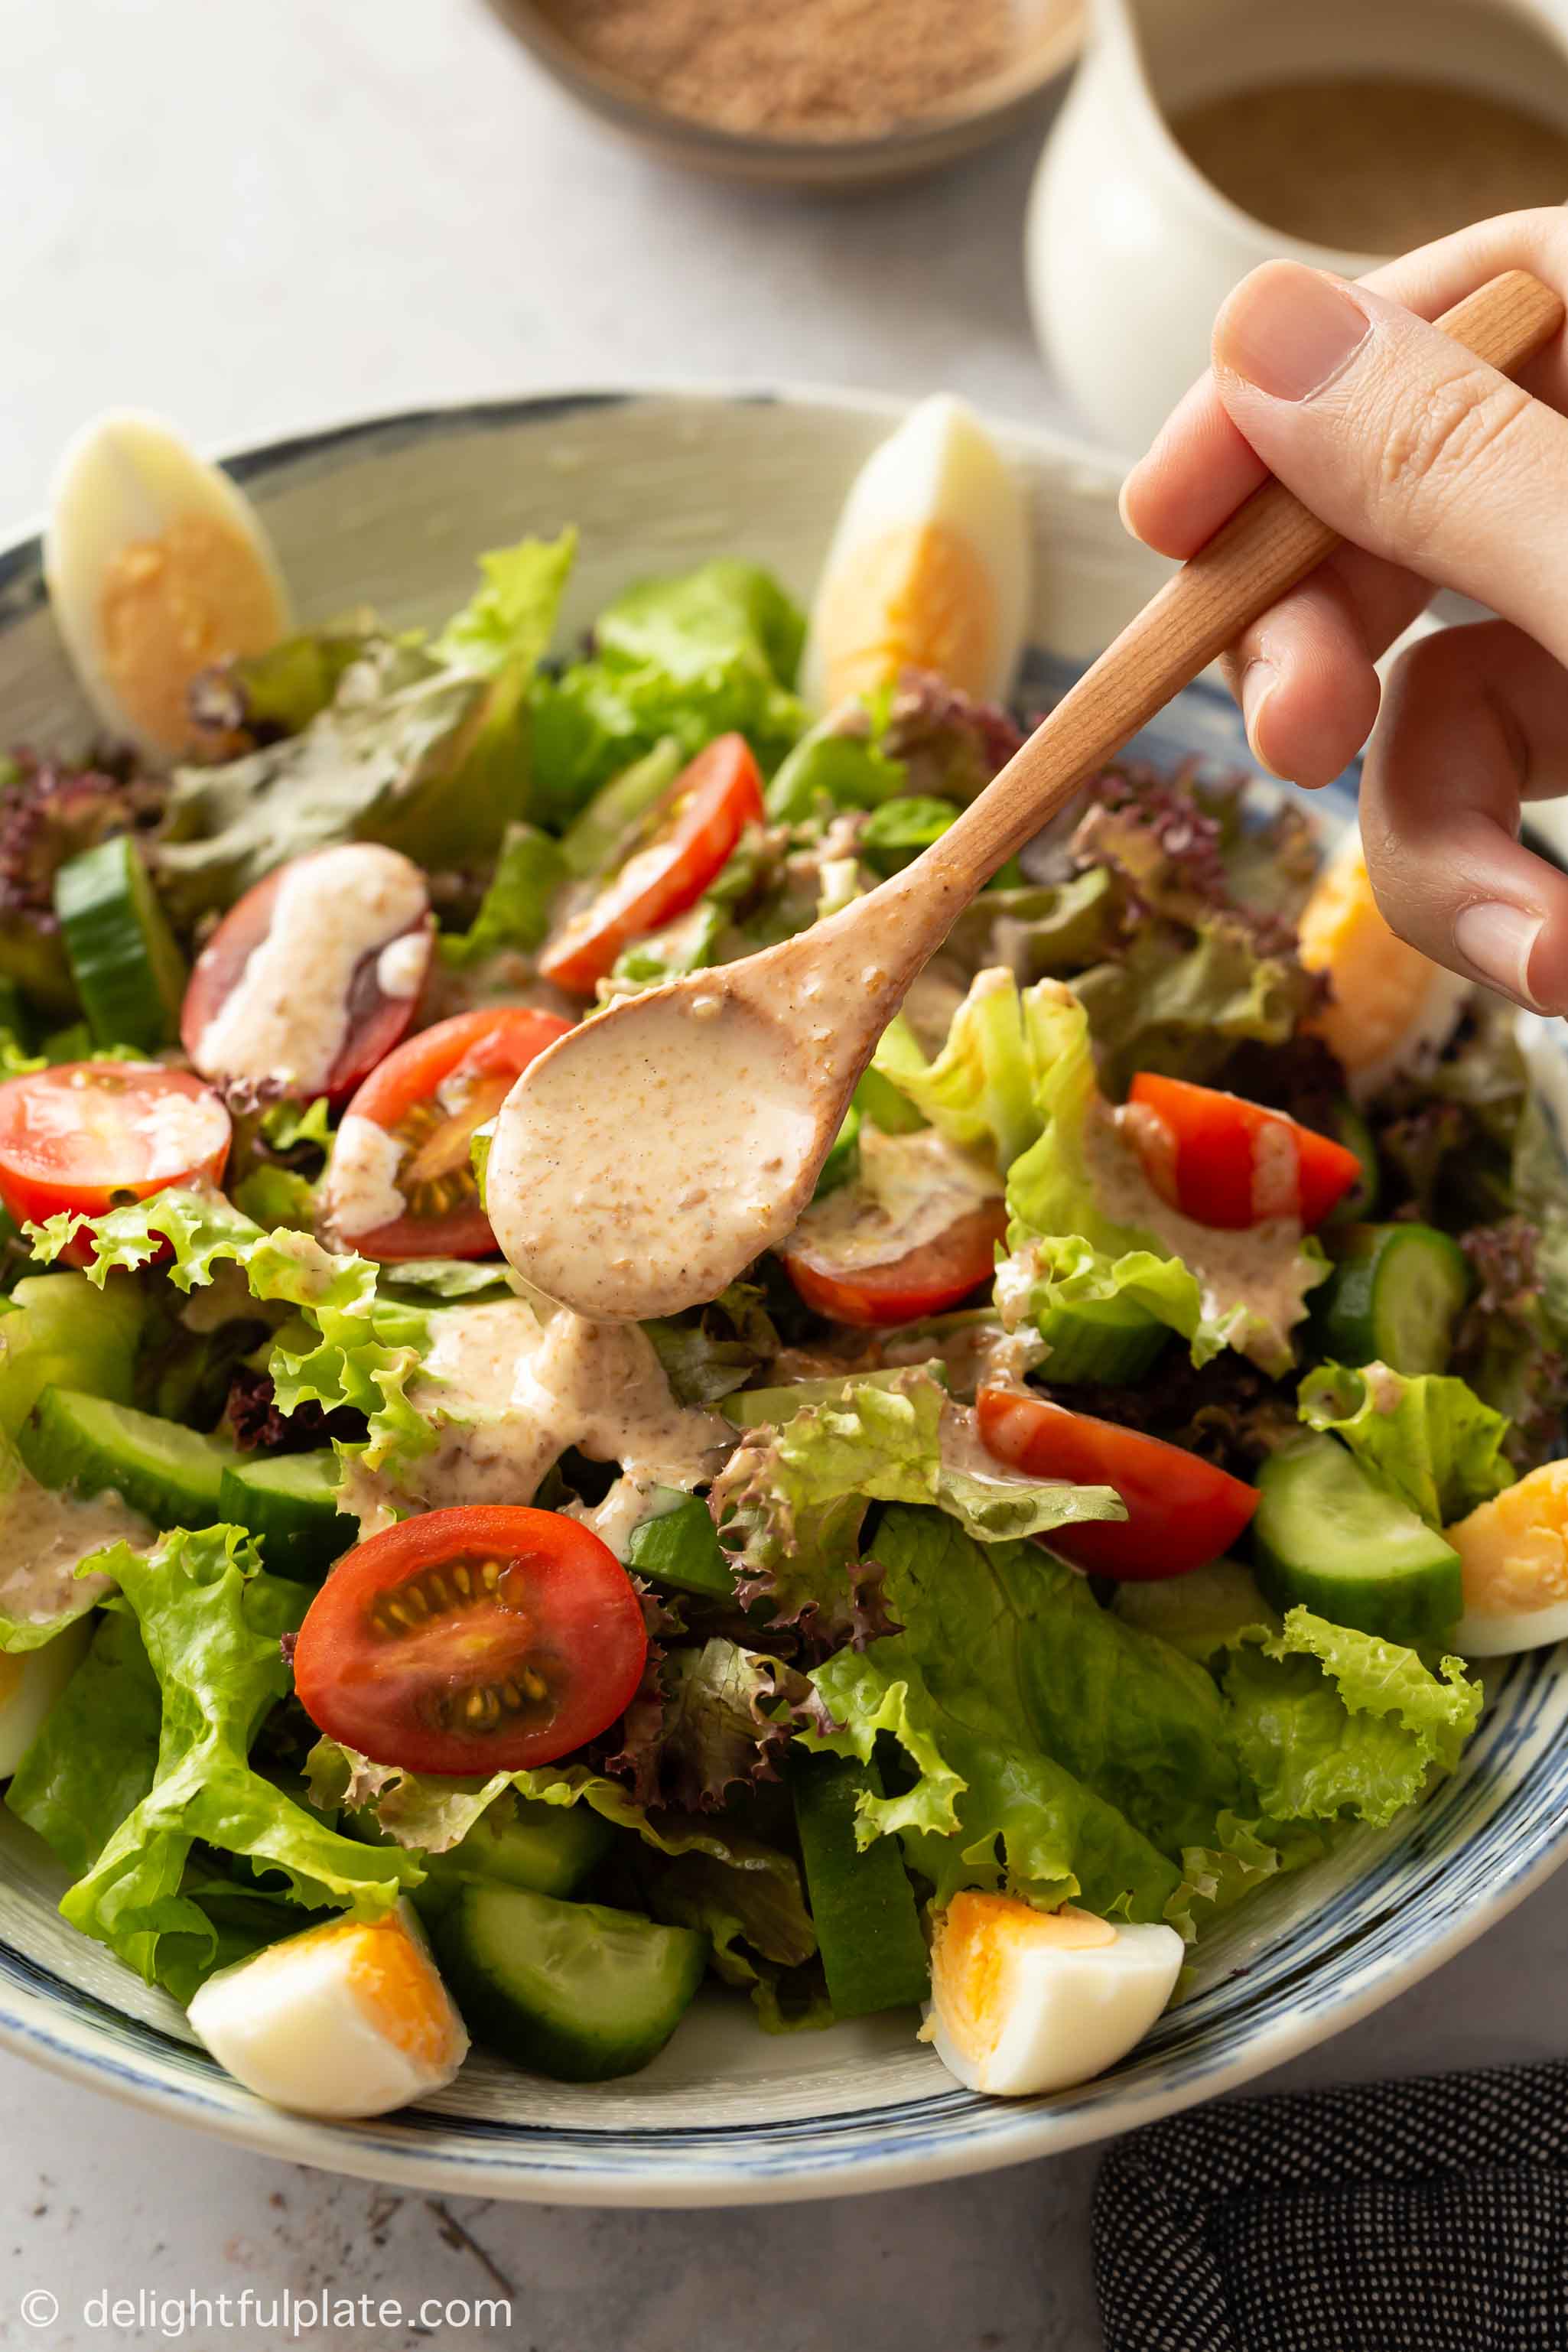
[1438,472]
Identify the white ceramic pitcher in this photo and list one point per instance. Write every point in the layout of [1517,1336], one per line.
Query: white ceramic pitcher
[1131,250]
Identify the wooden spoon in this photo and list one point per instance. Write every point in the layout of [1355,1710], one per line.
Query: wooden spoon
[645,1159]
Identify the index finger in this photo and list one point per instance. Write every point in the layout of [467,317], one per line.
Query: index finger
[1200,468]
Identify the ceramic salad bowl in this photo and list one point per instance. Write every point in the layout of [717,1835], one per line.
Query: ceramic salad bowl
[391,512]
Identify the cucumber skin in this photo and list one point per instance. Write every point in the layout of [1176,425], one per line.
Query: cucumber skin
[128,968]
[862,1904]
[544,1849]
[680,1550]
[566,2053]
[1417,1606]
[296,1539]
[1345,1313]
[51,1445]
[1101,1340]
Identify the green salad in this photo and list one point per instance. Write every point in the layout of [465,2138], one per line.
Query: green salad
[1085,1517]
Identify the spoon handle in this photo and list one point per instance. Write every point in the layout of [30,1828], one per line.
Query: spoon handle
[1267,546]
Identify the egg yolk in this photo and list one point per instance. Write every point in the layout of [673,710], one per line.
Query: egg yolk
[396,1985]
[1514,1551]
[1380,984]
[916,598]
[979,1939]
[169,608]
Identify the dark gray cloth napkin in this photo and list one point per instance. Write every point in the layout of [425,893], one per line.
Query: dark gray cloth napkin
[1425,2216]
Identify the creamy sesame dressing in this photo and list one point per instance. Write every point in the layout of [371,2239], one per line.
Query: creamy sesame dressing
[640,1178]
[909,1190]
[1255,1273]
[508,1389]
[286,1017]
[44,1535]
[643,1162]
[361,1192]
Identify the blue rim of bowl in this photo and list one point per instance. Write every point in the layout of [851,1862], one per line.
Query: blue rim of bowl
[1476,1846]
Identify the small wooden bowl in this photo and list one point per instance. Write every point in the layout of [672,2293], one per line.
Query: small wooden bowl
[1049,36]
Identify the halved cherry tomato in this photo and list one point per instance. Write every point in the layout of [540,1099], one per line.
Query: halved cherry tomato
[482,1640]
[687,836]
[1181,1511]
[369,1017]
[1228,1162]
[85,1135]
[431,1093]
[925,1280]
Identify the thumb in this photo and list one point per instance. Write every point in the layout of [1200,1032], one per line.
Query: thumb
[1405,443]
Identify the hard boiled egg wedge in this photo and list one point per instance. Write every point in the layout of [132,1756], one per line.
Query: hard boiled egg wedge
[1026,2001]
[1393,1010]
[30,1682]
[929,566]
[157,567]
[349,2018]
[1513,1556]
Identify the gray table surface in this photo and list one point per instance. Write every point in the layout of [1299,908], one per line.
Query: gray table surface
[259,218]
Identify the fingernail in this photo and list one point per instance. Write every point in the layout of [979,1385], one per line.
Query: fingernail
[1289,330]
[1496,941]
[1122,502]
[1259,680]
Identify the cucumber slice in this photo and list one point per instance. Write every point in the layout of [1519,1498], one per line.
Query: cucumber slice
[749,1408]
[172,1474]
[288,1502]
[862,1904]
[1328,1536]
[59,1330]
[1109,1339]
[572,1990]
[127,965]
[545,1849]
[1350,1128]
[1393,1297]
[679,1548]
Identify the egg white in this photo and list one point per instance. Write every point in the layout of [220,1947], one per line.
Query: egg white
[1016,2011]
[125,482]
[941,469]
[30,1682]
[348,2019]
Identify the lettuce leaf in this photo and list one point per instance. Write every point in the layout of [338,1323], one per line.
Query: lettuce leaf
[359,1349]
[56,1330]
[509,619]
[1048,1746]
[717,1718]
[514,912]
[983,1090]
[378,763]
[689,657]
[836,765]
[211,1621]
[1051,1747]
[791,1502]
[1059,1228]
[421,1813]
[1331,1722]
[95,1757]
[1183,1010]
[710,1352]
[1429,1438]
[600,836]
